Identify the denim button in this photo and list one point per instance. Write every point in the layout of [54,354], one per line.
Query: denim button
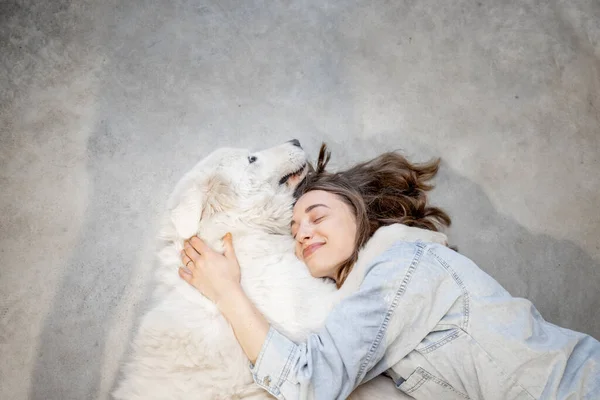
[267,380]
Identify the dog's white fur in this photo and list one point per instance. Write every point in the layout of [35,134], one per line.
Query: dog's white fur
[184,348]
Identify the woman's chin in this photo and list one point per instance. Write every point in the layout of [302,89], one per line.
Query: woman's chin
[314,274]
[317,272]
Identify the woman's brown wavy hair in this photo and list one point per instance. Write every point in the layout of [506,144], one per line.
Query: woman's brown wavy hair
[385,190]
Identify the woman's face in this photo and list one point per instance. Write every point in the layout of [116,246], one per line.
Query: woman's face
[324,228]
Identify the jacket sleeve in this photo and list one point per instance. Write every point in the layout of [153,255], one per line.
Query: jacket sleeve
[400,298]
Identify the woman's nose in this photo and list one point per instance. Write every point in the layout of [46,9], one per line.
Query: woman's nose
[304,232]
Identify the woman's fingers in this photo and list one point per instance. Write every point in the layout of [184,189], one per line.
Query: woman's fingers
[191,252]
[185,275]
[188,262]
[199,245]
[190,257]
[228,245]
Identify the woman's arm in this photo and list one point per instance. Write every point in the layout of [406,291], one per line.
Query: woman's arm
[217,276]
[249,325]
[398,303]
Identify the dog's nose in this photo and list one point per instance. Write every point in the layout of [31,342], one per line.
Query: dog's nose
[295,142]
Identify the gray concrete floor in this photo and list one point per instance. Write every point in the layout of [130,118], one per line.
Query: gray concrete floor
[105,104]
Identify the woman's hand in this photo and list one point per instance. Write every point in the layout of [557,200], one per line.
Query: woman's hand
[217,276]
[212,273]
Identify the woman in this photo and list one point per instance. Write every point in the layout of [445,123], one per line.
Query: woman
[425,315]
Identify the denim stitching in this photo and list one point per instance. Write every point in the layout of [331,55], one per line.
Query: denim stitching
[447,386]
[440,343]
[391,309]
[426,376]
[460,283]
[417,385]
[254,368]
[511,377]
[265,346]
[286,368]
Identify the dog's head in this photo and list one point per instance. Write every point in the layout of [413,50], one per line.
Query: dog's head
[253,187]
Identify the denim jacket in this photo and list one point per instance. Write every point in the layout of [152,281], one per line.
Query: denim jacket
[441,328]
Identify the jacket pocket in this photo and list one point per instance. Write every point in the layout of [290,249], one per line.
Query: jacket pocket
[423,385]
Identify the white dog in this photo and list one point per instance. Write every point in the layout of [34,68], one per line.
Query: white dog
[184,348]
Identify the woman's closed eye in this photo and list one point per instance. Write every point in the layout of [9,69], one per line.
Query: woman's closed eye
[314,221]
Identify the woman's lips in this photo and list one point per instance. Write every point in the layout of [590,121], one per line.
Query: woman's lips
[310,249]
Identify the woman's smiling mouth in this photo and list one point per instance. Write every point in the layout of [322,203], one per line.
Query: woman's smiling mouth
[311,249]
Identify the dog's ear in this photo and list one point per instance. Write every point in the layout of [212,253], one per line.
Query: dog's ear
[194,200]
[219,195]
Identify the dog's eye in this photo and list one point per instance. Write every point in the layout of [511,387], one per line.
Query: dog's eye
[251,159]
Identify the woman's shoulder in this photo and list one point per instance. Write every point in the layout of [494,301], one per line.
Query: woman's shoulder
[398,243]
[393,238]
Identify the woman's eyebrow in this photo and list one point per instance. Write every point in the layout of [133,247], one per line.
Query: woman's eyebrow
[314,206]
[308,209]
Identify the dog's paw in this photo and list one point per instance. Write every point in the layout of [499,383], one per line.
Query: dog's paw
[186,213]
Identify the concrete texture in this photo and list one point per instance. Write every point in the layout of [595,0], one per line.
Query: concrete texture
[105,104]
